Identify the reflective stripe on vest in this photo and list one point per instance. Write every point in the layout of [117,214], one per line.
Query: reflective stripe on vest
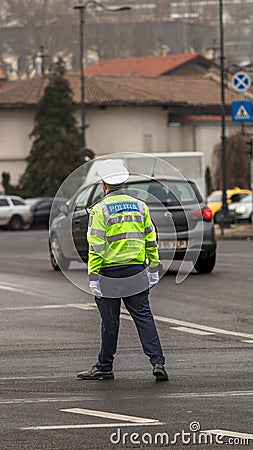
[149,229]
[96,232]
[97,248]
[151,244]
[128,235]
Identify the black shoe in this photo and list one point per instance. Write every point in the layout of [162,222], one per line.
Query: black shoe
[160,373]
[96,374]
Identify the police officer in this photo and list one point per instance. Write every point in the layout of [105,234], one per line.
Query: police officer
[122,240]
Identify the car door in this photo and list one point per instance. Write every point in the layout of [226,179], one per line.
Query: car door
[80,221]
[41,213]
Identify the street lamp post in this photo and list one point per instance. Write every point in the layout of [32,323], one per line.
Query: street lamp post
[223,123]
[81,7]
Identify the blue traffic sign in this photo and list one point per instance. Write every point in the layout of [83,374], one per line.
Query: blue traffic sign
[242,111]
[241,81]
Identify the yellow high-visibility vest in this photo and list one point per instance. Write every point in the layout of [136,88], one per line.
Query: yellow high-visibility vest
[121,232]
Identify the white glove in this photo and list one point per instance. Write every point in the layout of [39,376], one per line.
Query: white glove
[95,288]
[153,278]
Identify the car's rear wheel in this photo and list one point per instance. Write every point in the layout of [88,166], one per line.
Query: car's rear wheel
[205,265]
[58,260]
[16,223]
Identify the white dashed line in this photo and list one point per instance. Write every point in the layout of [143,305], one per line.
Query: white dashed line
[192,330]
[108,415]
[91,425]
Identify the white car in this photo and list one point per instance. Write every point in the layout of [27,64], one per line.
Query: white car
[243,209]
[15,214]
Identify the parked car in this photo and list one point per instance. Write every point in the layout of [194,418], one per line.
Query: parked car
[176,221]
[214,200]
[243,210]
[15,214]
[41,209]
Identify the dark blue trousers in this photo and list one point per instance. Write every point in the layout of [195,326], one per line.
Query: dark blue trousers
[139,309]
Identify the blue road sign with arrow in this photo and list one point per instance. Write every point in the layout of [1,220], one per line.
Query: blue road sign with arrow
[242,111]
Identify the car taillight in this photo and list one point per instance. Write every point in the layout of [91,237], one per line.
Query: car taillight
[30,209]
[203,214]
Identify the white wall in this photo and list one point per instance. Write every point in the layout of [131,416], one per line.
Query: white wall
[201,137]
[15,144]
[127,129]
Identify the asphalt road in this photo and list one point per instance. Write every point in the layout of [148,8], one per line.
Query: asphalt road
[50,331]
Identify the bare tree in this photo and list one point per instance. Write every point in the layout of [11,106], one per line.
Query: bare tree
[238,163]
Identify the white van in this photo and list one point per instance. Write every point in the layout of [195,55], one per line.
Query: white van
[189,164]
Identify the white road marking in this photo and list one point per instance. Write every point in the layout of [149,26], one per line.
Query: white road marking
[241,255]
[92,425]
[107,415]
[12,289]
[213,330]
[248,341]
[192,330]
[30,378]
[209,394]
[22,308]
[203,327]
[235,434]
[85,306]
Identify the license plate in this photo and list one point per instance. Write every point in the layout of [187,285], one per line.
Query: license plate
[172,245]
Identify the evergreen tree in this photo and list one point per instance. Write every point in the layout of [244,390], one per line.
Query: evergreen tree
[56,149]
[9,189]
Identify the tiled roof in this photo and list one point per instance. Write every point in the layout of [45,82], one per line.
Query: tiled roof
[150,66]
[109,90]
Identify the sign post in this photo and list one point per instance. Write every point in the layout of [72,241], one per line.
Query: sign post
[242,110]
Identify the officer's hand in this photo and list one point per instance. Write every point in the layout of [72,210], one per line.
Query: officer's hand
[153,278]
[95,288]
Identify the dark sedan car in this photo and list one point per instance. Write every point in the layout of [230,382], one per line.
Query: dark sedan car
[41,209]
[183,222]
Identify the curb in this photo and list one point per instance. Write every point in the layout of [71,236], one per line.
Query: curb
[235,232]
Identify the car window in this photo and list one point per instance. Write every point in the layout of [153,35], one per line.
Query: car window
[17,202]
[44,205]
[215,197]
[4,202]
[237,197]
[98,194]
[82,201]
[170,193]
[247,199]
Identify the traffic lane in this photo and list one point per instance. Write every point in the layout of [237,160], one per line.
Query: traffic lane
[36,324]
[221,299]
[47,354]
[196,393]
[132,366]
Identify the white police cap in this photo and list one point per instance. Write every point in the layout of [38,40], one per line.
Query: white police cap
[113,172]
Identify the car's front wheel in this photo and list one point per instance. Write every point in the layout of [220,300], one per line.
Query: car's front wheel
[58,260]
[205,265]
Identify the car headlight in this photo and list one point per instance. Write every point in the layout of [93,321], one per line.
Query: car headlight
[240,210]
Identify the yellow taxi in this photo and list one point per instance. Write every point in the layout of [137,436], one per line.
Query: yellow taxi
[214,200]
